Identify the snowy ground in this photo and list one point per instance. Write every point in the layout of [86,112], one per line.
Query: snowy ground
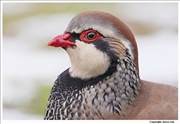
[27,58]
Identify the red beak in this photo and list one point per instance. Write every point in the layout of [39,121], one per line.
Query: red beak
[61,41]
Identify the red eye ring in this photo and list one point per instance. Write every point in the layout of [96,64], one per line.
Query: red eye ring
[90,36]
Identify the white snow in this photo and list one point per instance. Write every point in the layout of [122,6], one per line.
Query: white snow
[19,115]
[158,57]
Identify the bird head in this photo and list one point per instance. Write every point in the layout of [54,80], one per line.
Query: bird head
[94,40]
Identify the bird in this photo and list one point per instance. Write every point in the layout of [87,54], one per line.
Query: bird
[103,81]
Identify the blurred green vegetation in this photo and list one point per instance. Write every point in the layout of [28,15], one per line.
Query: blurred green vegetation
[53,8]
[37,104]
[34,9]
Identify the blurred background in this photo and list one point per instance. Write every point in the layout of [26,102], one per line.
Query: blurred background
[30,67]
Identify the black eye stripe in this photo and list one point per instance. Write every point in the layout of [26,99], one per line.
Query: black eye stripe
[104,47]
[74,36]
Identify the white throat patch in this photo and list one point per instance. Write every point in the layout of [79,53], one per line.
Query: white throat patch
[87,61]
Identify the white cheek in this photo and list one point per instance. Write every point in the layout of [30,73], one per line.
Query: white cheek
[87,61]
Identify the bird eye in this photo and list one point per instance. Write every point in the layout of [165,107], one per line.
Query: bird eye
[90,36]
